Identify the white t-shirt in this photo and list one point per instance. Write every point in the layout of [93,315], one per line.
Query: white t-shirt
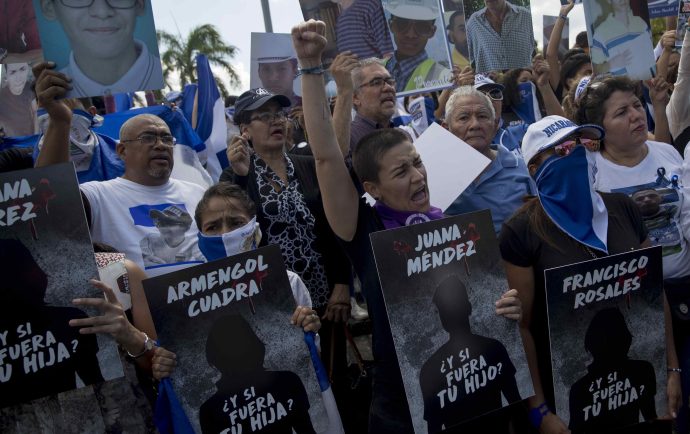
[145,74]
[152,226]
[656,188]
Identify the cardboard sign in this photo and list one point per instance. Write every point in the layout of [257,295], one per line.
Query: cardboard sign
[241,366]
[17,100]
[47,260]
[616,47]
[118,54]
[663,8]
[274,65]
[608,350]
[458,359]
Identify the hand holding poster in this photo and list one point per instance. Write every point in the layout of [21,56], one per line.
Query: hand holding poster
[612,308]
[46,259]
[464,361]
[241,367]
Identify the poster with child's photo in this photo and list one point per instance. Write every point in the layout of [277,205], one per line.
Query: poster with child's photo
[608,347]
[620,38]
[241,366]
[106,47]
[459,360]
[274,66]
[19,40]
[46,260]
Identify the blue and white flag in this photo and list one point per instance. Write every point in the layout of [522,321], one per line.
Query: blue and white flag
[528,109]
[335,424]
[210,123]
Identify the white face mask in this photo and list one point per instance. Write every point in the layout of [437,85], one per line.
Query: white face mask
[230,243]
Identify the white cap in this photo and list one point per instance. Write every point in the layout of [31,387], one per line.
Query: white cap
[551,130]
[421,10]
[273,47]
[481,80]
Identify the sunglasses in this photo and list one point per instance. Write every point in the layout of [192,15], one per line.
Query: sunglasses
[495,94]
[564,148]
[421,28]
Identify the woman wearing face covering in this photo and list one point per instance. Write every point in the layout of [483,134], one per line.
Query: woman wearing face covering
[17,101]
[549,231]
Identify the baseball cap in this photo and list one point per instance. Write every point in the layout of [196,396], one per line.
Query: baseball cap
[421,10]
[481,80]
[255,98]
[551,130]
[171,215]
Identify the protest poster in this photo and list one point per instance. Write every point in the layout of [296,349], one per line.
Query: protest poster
[274,65]
[19,40]
[456,32]
[47,260]
[417,30]
[17,100]
[549,21]
[118,54]
[683,18]
[491,51]
[465,360]
[242,367]
[608,350]
[620,38]
[358,26]
[663,8]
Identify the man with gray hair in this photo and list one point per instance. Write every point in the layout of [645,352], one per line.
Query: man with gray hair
[470,116]
[126,212]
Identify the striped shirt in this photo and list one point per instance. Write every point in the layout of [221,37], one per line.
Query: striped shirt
[512,48]
[362,29]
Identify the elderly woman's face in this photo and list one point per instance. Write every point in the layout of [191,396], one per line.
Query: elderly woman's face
[625,120]
[267,127]
[402,180]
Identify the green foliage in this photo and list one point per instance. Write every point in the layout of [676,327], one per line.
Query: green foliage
[179,55]
[658,28]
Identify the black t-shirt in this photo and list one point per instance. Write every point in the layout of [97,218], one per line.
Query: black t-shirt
[270,402]
[16,159]
[521,246]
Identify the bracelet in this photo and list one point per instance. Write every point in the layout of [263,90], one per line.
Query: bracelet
[148,346]
[674,370]
[316,70]
[563,17]
[536,415]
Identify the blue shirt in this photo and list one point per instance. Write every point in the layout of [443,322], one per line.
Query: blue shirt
[500,189]
[511,137]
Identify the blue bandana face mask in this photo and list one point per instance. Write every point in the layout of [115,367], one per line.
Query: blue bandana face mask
[230,243]
[564,186]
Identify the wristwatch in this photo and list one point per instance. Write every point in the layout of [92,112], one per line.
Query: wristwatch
[149,344]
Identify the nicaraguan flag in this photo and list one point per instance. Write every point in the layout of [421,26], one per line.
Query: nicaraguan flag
[528,109]
[210,123]
[335,425]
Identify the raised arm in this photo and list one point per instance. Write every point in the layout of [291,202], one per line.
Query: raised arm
[50,87]
[340,199]
[555,42]
[541,70]
[341,69]
[678,109]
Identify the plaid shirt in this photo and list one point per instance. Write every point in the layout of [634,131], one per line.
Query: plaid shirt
[402,70]
[512,48]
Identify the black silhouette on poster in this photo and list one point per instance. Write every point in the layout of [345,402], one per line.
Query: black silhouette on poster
[475,370]
[244,381]
[607,340]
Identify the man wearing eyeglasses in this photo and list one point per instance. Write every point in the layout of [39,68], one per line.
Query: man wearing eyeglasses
[105,57]
[412,24]
[131,213]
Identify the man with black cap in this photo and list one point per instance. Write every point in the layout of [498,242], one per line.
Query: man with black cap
[122,211]
[412,24]
[167,246]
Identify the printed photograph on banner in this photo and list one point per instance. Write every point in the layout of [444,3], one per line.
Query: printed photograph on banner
[620,38]
[421,59]
[18,100]
[274,66]
[456,32]
[355,25]
[242,367]
[47,260]
[663,8]
[683,19]
[499,34]
[105,50]
[458,359]
[19,40]
[608,350]
[549,21]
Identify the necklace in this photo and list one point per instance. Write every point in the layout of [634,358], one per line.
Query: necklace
[623,162]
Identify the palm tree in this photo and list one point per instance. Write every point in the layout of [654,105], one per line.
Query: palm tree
[179,55]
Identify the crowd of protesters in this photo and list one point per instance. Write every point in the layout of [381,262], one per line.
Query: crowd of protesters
[585,140]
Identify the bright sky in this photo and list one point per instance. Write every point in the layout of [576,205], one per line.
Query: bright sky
[236,19]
